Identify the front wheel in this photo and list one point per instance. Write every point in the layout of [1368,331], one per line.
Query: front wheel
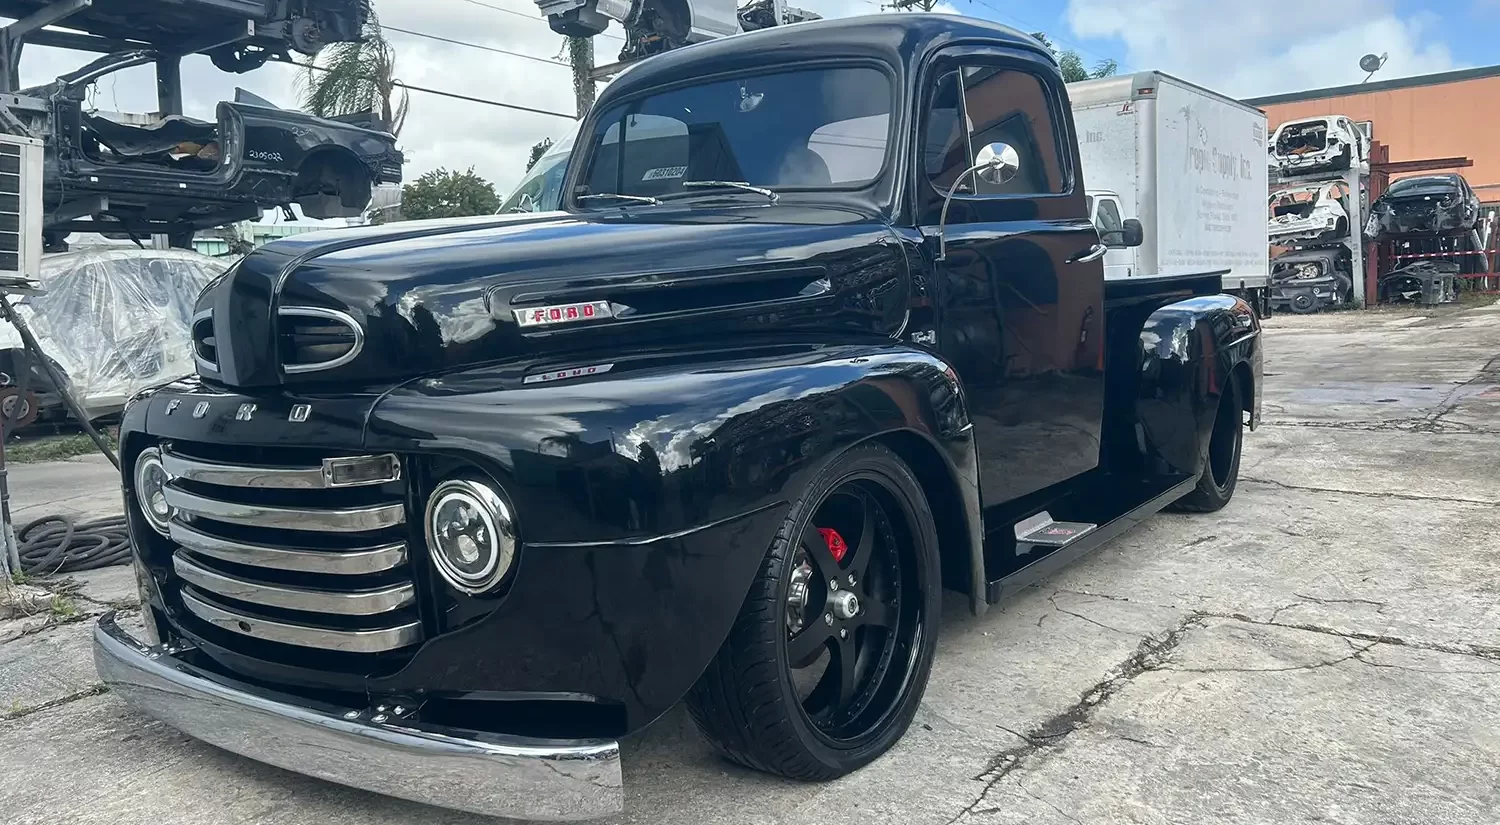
[1221,467]
[829,656]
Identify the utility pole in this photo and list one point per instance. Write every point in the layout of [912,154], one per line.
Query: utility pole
[581,56]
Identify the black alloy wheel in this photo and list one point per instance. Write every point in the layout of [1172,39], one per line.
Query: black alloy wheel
[1221,466]
[827,662]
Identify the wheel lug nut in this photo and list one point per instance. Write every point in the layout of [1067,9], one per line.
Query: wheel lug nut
[851,579]
[833,584]
[843,633]
[828,618]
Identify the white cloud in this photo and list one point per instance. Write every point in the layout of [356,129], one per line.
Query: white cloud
[1254,48]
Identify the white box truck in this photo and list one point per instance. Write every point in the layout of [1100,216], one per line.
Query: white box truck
[1190,165]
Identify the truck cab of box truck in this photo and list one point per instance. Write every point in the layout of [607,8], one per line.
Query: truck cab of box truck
[1122,235]
[820,329]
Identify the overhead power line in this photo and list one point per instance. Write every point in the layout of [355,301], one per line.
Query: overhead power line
[479,46]
[454,95]
[526,16]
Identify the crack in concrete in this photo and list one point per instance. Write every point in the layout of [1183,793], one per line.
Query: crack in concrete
[1052,599]
[1287,669]
[1448,404]
[1484,652]
[1150,654]
[1400,496]
[1322,600]
[96,689]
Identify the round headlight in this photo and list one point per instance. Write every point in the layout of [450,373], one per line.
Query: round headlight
[151,489]
[470,534]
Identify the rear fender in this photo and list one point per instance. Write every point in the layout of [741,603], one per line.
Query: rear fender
[646,496]
[1190,352]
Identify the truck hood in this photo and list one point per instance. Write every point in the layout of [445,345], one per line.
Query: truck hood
[380,304]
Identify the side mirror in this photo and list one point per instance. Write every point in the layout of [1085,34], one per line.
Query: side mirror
[1133,234]
[997,163]
[994,163]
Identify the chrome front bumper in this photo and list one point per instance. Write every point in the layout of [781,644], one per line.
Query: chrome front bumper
[479,773]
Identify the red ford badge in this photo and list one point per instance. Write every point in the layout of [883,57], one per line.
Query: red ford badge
[562,314]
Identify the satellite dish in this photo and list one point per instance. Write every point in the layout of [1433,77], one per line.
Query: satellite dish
[1372,62]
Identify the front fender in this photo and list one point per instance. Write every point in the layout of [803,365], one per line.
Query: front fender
[645,499]
[1190,351]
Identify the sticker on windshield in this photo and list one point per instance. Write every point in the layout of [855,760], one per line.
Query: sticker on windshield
[664,173]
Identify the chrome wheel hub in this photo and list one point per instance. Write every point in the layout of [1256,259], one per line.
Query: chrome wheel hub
[844,604]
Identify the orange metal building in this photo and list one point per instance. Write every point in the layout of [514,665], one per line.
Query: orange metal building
[1450,114]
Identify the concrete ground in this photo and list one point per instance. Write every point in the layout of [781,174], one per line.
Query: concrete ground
[1326,649]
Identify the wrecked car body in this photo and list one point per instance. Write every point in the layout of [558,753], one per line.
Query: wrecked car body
[1420,282]
[1312,213]
[217,28]
[1308,280]
[1318,144]
[174,175]
[1424,205]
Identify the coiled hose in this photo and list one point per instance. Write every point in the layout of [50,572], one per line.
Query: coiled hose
[53,545]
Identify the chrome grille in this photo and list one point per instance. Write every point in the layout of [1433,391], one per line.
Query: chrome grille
[309,552]
[313,339]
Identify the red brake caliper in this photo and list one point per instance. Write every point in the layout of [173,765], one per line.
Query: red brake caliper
[836,544]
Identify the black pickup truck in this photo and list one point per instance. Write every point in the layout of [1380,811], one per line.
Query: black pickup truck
[821,329]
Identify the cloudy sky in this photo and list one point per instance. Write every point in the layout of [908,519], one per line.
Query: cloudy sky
[1239,47]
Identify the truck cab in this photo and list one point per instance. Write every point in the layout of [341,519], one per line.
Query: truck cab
[1122,235]
[820,329]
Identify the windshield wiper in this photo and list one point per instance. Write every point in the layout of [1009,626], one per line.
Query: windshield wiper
[619,197]
[732,184]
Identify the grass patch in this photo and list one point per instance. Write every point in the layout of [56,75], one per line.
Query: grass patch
[62,608]
[53,448]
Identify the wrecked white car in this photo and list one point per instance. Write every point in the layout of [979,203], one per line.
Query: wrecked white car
[1314,213]
[1317,144]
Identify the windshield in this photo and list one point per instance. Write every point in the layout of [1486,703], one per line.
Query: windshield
[811,129]
[541,188]
[1428,185]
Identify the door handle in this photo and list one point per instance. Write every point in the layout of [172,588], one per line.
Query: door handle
[1095,253]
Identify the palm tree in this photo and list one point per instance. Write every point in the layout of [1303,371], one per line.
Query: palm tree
[349,78]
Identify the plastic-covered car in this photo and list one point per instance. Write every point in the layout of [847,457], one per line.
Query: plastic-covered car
[1315,212]
[1307,280]
[1317,144]
[115,320]
[1424,205]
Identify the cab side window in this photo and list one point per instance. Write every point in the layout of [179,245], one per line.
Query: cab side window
[979,105]
[1111,228]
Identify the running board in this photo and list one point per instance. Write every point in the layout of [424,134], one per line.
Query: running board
[1101,508]
[1040,529]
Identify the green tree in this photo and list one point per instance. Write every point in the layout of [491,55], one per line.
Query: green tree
[444,194]
[1072,66]
[537,151]
[350,78]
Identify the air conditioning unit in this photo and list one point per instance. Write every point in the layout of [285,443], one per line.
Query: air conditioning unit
[20,207]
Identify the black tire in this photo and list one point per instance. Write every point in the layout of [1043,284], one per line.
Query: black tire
[748,701]
[28,410]
[1221,470]
[1304,303]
